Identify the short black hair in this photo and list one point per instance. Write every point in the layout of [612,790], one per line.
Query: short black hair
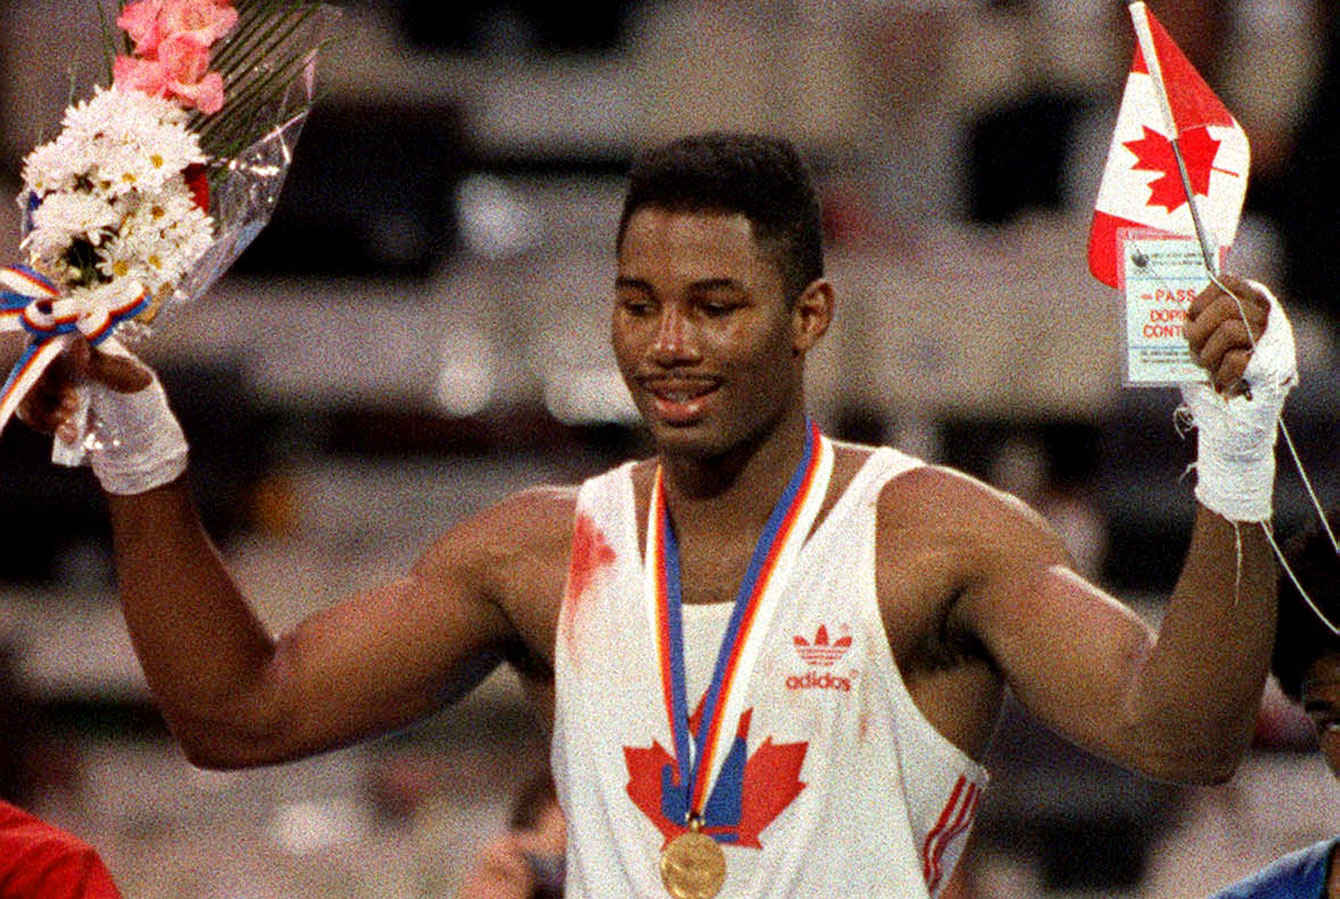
[1300,636]
[760,177]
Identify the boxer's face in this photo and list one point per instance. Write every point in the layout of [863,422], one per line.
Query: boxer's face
[707,342]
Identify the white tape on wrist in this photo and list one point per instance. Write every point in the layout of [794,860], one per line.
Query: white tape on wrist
[1235,461]
[140,443]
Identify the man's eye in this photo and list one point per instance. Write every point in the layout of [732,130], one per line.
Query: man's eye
[715,310]
[635,307]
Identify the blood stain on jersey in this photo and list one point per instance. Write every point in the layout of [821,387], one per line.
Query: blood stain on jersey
[749,794]
[591,554]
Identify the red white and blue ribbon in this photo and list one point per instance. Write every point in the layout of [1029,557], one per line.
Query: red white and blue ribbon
[699,756]
[31,302]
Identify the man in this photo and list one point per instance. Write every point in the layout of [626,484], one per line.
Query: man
[818,733]
[1306,662]
[526,861]
[41,861]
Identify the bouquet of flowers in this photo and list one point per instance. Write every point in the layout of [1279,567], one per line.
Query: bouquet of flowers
[159,180]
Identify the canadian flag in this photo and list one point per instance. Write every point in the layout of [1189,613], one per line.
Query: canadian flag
[1141,186]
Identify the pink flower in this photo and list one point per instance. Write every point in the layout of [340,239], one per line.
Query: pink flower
[205,95]
[204,20]
[150,22]
[180,72]
[185,62]
[144,75]
[172,40]
[140,20]
[185,59]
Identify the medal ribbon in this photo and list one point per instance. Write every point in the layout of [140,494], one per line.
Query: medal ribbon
[31,302]
[769,572]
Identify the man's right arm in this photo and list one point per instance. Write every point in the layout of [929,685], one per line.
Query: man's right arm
[235,695]
[232,692]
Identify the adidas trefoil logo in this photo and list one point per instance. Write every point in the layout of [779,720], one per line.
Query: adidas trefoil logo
[821,652]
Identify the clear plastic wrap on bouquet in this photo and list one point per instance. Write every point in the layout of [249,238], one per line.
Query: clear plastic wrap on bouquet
[245,184]
[243,152]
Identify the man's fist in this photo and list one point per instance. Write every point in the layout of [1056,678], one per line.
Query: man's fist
[52,406]
[1218,334]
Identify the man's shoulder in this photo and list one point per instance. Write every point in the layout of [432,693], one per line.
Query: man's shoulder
[949,494]
[534,515]
[530,524]
[533,524]
[939,504]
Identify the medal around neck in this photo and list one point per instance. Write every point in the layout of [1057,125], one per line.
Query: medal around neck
[693,866]
[689,860]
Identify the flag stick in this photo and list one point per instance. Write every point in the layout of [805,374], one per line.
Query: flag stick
[1145,36]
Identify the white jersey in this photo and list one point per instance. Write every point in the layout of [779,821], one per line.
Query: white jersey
[836,784]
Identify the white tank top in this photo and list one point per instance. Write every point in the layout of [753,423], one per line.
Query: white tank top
[838,782]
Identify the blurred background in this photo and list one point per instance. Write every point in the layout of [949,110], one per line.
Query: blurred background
[423,328]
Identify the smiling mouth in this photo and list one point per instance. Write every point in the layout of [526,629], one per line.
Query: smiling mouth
[680,390]
[679,400]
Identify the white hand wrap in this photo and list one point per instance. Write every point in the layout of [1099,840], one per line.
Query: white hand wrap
[1235,464]
[140,445]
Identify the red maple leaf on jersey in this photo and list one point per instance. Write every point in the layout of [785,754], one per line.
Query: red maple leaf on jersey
[770,783]
[1154,153]
[644,784]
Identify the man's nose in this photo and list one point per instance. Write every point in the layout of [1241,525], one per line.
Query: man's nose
[675,339]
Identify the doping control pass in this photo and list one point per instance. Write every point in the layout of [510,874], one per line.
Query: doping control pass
[1160,275]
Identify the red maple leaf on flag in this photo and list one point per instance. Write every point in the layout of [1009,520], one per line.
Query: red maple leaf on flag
[1154,153]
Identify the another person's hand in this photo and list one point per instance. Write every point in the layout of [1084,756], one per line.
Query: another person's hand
[500,872]
[522,864]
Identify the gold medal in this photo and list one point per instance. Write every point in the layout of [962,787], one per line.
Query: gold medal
[693,865]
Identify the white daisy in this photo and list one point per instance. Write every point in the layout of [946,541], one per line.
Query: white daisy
[160,238]
[56,164]
[63,218]
[135,142]
[118,112]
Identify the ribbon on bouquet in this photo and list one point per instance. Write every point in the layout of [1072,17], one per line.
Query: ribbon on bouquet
[29,301]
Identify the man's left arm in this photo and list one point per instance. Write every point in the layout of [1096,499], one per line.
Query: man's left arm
[1180,704]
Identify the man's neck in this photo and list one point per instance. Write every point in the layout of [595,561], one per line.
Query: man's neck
[740,486]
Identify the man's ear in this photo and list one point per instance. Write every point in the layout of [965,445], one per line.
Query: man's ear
[811,315]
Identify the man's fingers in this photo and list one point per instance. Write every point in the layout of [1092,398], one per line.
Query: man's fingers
[1203,322]
[53,404]
[51,409]
[71,366]
[1231,335]
[82,362]
[1228,376]
[1222,328]
[121,373]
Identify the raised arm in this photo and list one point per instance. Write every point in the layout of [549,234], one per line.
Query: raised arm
[1181,704]
[1177,704]
[236,695]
